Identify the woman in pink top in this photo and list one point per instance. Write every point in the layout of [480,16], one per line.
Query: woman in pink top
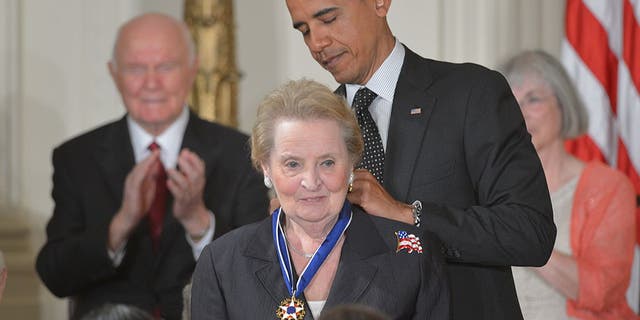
[594,206]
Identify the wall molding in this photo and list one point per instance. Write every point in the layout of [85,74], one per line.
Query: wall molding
[10,103]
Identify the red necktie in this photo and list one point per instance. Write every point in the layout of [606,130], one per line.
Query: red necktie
[159,204]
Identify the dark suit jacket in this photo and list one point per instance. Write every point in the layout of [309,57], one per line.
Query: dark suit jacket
[88,180]
[468,157]
[238,275]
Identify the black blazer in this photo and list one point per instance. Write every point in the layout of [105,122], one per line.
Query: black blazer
[238,275]
[88,180]
[467,156]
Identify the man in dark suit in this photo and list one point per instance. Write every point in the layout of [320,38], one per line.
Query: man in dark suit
[457,159]
[136,200]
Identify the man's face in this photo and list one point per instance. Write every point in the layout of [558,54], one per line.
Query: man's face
[343,36]
[153,72]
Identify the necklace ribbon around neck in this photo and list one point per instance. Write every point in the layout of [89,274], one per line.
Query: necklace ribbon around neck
[319,256]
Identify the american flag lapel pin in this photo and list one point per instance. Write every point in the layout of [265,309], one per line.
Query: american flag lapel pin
[415,111]
[408,242]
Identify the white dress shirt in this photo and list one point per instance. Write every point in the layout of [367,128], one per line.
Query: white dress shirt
[383,83]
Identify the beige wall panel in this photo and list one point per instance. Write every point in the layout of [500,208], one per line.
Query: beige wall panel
[9,102]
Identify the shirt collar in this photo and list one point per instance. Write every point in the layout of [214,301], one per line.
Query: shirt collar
[169,141]
[384,80]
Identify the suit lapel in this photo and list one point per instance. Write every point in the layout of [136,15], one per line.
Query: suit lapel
[355,271]
[196,139]
[266,267]
[412,107]
[115,157]
[342,91]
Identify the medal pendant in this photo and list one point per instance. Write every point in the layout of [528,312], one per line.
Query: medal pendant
[290,309]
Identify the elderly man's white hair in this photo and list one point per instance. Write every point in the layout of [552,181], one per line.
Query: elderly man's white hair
[186,35]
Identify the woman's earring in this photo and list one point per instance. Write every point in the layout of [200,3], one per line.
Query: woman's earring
[267,182]
[350,182]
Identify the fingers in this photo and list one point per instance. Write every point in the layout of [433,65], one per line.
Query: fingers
[371,196]
[190,177]
[139,185]
[363,180]
[145,169]
[190,164]
[143,182]
[361,188]
[187,184]
[139,190]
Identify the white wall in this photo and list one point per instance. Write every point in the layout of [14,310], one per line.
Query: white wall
[55,83]
[9,101]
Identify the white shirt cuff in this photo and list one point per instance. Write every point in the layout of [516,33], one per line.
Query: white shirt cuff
[197,247]
[117,256]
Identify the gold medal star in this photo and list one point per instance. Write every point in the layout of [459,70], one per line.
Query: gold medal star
[291,309]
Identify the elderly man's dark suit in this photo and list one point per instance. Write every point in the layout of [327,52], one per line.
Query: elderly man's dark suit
[457,142]
[88,181]
[239,277]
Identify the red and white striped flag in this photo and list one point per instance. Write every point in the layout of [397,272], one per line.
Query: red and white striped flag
[601,52]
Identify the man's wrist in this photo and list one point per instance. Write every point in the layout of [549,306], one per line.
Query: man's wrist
[199,235]
[198,227]
[118,233]
[406,213]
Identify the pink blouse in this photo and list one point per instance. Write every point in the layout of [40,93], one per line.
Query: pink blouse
[602,241]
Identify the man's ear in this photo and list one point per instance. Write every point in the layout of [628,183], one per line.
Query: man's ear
[382,7]
[112,69]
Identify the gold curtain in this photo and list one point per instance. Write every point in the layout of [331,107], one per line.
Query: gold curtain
[214,95]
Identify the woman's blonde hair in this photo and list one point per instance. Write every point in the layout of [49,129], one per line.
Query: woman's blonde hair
[302,100]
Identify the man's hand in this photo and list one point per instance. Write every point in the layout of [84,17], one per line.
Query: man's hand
[139,190]
[187,187]
[371,196]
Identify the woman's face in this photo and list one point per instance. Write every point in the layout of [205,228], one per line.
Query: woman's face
[309,166]
[540,109]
